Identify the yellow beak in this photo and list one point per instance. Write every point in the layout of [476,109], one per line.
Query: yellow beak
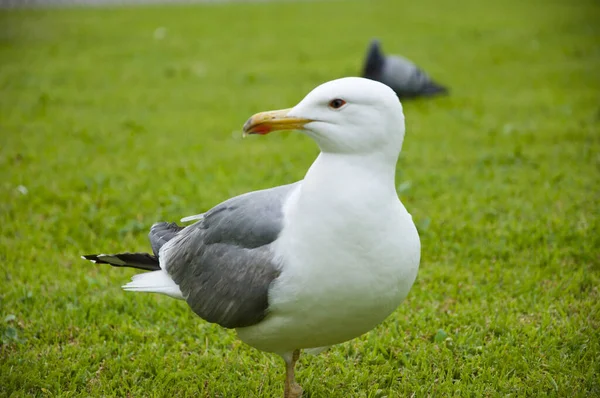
[265,122]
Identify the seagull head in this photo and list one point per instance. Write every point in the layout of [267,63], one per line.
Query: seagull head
[348,115]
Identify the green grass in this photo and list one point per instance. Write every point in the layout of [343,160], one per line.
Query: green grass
[110,130]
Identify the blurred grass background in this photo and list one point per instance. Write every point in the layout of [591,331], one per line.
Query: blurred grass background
[114,118]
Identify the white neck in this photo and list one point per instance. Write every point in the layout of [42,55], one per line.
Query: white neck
[347,175]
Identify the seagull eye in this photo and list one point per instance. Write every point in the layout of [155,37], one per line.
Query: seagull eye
[336,103]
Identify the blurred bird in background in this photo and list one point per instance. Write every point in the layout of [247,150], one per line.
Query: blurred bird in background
[399,73]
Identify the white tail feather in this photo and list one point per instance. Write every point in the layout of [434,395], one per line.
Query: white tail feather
[154,282]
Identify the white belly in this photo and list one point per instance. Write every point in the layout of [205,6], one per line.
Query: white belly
[337,284]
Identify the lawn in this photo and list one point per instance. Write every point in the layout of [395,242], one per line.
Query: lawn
[114,118]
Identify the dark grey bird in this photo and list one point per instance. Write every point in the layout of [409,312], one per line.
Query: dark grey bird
[399,73]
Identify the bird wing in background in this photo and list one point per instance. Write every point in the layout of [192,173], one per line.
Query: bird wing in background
[399,73]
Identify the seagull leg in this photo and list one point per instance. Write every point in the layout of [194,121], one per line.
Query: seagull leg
[292,389]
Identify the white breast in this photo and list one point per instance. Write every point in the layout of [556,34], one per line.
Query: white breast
[350,254]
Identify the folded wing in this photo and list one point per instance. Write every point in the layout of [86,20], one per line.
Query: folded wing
[223,264]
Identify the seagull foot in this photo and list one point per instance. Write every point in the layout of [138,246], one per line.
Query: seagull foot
[294,391]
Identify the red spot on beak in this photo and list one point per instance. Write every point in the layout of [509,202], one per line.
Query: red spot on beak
[261,129]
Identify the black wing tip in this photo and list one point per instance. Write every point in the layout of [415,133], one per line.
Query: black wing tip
[374,60]
[431,89]
[143,261]
[375,43]
[97,258]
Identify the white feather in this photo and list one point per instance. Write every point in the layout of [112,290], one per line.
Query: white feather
[195,217]
[154,282]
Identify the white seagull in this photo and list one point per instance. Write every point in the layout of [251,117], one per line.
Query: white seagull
[306,265]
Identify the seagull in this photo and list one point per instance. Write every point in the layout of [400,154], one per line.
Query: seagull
[306,265]
[403,76]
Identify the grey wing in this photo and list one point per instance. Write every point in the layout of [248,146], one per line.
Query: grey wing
[407,79]
[223,263]
[161,233]
[400,74]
